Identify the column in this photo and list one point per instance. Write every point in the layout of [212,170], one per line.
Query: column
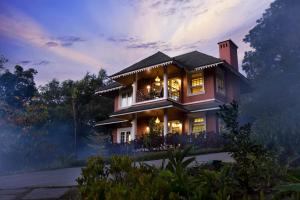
[165,122]
[134,89]
[165,82]
[134,127]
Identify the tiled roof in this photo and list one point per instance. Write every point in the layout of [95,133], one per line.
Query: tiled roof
[110,87]
[190,60]
[196,59]
[153,60]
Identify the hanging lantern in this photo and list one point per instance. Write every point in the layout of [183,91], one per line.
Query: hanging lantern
[157,81]
[157,121]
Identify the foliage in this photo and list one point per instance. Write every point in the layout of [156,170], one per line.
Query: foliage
[36,122]
[124,179]
[255,167]
[272,67]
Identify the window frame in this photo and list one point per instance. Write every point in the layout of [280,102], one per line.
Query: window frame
[124,133]
[126,92]
[190,79]
[220,73]
[192,122]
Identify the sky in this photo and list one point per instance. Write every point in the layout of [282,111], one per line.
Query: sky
[65,39]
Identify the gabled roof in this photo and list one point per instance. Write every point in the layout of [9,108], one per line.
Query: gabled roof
[196,59]
[154,60]
[110,87]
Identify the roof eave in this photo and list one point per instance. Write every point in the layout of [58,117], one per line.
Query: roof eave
[109,90]
[140,70]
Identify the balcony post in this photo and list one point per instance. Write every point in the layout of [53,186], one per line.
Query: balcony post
[134,127]
[165,122]
[134,89]
[165,82]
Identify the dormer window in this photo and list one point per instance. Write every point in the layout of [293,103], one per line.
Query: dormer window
[196,83]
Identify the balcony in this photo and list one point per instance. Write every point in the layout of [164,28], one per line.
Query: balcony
[155,90]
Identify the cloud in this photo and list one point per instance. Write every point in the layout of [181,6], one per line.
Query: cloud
[43,62]
[25,62]
[29,62]
[52,44]
[139,43]
[19,26]
[69,40]
[64,41]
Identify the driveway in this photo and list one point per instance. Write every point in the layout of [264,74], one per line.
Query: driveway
[53,184]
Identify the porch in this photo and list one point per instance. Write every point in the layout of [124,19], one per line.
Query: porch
[152,84]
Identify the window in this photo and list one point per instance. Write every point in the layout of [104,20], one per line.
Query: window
[125,136]
[220,82]
[198,125]
[175,126]
[126,99]
[174,86]
[196,84]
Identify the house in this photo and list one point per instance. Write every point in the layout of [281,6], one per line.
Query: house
[181,94]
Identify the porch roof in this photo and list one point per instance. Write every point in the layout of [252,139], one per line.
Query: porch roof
[111,120]
[110,87]
[198,107]
[145,107]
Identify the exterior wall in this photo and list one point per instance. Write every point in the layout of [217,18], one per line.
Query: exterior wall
[114,135]
[142,123]
[232,87]
[116,102]
[209,87]
[211,122]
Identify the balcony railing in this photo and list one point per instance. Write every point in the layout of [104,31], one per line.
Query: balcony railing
[160,143]
[146,96]
[157,93]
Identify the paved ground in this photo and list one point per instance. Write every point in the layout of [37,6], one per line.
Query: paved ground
[53,184]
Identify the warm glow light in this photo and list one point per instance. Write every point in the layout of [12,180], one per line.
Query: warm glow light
[148,88]
[157,121]
[157,79]
[147,129]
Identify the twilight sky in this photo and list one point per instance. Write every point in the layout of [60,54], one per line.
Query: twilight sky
[64,39]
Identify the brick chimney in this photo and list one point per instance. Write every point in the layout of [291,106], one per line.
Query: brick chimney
[228,52]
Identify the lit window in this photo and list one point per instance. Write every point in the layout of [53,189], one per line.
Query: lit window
[220,82]
[198,125]
[197,83]
[125,136]
[175,126]
[174,85]
[126,99]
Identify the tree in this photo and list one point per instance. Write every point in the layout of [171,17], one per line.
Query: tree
[17,88]
[3,60]
[273,68]
[255,166]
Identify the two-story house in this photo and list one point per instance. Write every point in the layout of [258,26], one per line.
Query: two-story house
[180,93]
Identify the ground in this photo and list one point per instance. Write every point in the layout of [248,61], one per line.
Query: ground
[53,184]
